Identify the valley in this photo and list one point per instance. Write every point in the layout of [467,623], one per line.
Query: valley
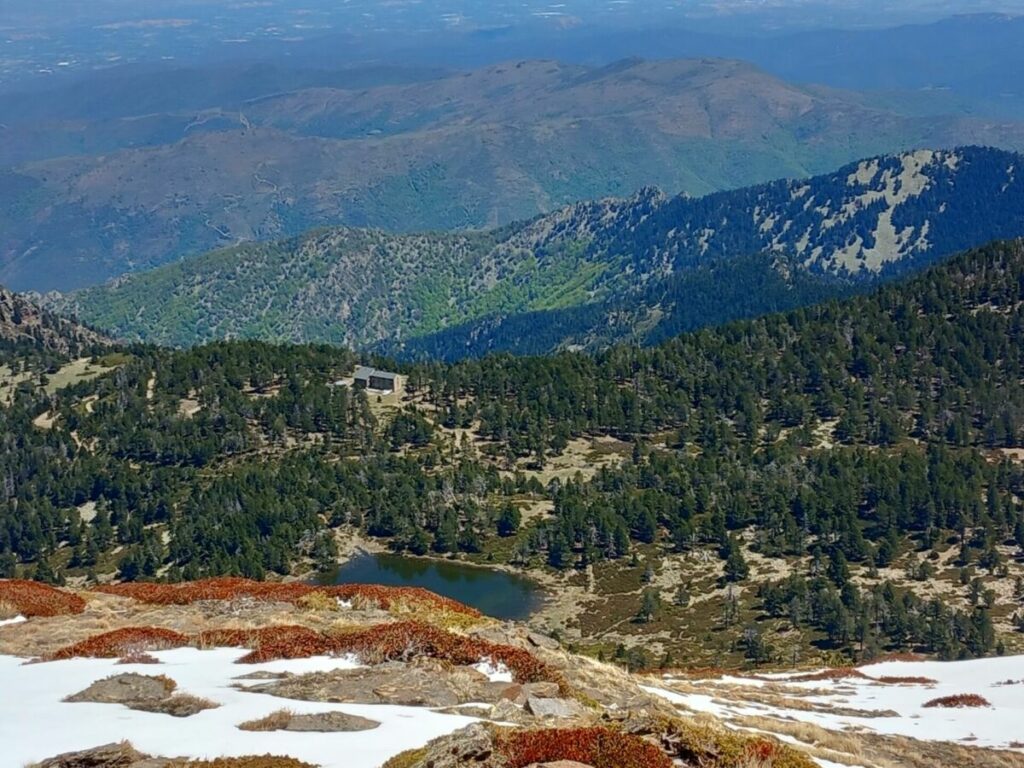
[385,148]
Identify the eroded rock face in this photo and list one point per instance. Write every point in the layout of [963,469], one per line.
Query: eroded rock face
[473,745]
[556,708]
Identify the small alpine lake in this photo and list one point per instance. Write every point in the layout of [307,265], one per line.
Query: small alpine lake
[496,593]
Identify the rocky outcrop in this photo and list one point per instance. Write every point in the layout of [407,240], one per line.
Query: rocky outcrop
[22,321]
[144,693]
[318,722]
[123,755]
[424,684]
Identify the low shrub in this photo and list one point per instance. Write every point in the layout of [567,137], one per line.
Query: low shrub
[405,640]
[895,680]
[836,673]
[598,747]
[699,743]
[397,641]
[958,701]
[30,598]
[270,643]
[127,641]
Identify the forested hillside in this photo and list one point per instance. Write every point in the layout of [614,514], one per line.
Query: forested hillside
[156,166]
[639,269]
[845,478]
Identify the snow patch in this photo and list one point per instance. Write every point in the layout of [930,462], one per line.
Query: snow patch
[36,723]
[999,680]
[496,673]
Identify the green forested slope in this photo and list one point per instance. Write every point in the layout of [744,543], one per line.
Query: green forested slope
[858,448]
[639,269]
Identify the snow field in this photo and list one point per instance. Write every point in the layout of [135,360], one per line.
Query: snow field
[35,723]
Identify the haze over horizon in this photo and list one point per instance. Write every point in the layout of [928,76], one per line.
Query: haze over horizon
[54,37]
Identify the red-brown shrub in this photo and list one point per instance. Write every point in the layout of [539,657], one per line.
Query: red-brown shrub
[408,639]
[228,588]
[397,641]
[958,701]
[761,751]
[599,747]
[122,642]
[31,598]
[893,680]
[270,643]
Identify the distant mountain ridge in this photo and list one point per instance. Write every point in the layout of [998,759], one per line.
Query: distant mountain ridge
[99,191]
[590,273]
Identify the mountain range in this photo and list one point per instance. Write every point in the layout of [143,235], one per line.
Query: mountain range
[640,268]
[157,167]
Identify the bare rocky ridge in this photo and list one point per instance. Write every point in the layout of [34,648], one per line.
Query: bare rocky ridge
[23,322]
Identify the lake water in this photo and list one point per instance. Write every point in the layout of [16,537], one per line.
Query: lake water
[495,593]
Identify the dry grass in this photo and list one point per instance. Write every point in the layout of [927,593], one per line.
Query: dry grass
[8,610]
[275,721]
[397,641]
[703,741]
[399,599]
[407,759]
[318,601]
[137,656]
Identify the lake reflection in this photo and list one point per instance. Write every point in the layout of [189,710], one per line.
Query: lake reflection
[495,593]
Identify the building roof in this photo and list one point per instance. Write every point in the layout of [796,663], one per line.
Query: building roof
[363,372]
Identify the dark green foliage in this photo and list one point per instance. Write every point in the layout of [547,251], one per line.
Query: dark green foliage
[849,434]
